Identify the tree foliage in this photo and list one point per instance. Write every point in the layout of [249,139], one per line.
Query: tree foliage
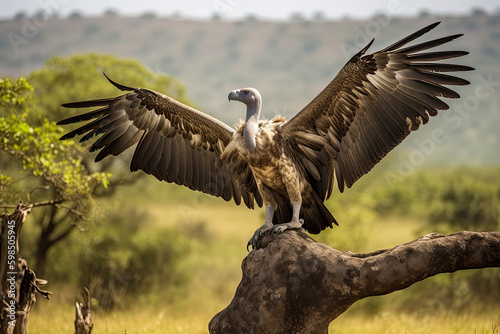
[80,77]
[41,155]
[124,262]
[466,198]
[40,169]
[467,204]
[61,179]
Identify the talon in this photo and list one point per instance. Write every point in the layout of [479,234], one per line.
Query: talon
[258,234]
[280,228]
[277,230]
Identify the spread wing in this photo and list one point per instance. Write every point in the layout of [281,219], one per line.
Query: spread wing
[176,143]
[374,102]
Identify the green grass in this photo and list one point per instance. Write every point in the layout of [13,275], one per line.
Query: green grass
[58,319]
[396,323]
[391,231]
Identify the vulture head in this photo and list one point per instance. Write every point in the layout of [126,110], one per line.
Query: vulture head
[248,96]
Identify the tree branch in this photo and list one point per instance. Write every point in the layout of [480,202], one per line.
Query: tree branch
[74,211]
[48,202]
[40,203]
[292,284]
[61,235]
[427,256]
[18,282]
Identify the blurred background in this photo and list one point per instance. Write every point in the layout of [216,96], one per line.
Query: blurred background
[159,258]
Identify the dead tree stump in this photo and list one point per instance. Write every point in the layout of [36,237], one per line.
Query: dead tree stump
[83,316]
[18,283]
[292,284]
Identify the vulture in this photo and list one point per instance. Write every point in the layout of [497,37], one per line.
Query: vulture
[290,167]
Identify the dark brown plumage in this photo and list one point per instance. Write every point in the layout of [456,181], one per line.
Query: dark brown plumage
[374,102]
[176,142]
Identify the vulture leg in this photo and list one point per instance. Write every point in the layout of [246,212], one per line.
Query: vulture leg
[264,228]
[294,224]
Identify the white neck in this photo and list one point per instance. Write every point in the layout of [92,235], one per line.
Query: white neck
[251,125]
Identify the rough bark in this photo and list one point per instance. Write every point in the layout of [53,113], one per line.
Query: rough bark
[83,316]
[18,283]
[292,284]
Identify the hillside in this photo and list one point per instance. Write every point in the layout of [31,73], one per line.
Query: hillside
[289,62]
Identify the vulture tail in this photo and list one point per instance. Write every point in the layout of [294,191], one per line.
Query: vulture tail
[283,213]
[316,215]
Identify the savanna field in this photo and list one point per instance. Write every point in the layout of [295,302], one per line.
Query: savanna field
[159,258]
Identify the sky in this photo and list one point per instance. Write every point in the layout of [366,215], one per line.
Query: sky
[236,9]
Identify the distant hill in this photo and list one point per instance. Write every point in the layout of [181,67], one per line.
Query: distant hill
[289,62]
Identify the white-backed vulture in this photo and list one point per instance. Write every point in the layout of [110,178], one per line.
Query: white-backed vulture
[373,103]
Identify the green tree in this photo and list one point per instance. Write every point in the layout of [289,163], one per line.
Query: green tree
[42,170]
[62,179]
[80,77]
[467,203]
[121,261]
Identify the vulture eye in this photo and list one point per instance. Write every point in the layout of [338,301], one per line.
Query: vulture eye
[245,92]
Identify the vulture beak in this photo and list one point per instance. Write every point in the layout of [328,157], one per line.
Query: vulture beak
[233,95]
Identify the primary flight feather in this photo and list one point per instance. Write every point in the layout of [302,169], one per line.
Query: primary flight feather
[374,102]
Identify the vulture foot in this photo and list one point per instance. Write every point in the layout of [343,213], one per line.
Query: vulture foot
[258,234]
[293,225]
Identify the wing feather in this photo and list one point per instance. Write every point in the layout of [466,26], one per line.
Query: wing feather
[374,102]
[175,143]
[108,139]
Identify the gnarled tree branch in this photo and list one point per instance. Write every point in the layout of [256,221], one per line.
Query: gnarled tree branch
[292,284]
[18,283]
